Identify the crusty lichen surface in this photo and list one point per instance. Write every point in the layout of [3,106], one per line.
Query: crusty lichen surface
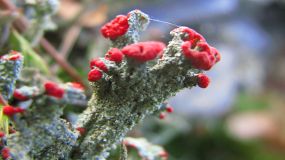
[9,73]
[127,92]
[41,133]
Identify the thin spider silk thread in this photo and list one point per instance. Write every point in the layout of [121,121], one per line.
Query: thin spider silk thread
[171,24]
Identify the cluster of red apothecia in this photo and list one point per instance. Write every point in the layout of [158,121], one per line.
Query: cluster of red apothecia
[141,52]
[198,51]
[195,49]
[51,89]
[115,28]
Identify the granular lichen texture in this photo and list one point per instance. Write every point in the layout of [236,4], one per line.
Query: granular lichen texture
[10,66]
[128,90]
[129,83]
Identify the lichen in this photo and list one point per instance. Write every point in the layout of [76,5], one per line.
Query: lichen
[42,134]
[126,89]
[39,13]
[9,72]
[130,91]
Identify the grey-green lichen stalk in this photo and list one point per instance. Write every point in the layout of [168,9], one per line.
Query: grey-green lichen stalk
[10,67]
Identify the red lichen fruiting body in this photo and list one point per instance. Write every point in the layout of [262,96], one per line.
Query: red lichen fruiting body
[2,134]
[197,50]
[15,56]
[144,51]
[94,75]
[81,130]
[96,62]
[5,153]
[115,55]
[19,96]
[76,85]
[192,35]
[10,111]
[19,110]
[201,58]
[217,55]
[203,80]
[162,115]
[169,109]
[54,90]
[115,28]
[203,46]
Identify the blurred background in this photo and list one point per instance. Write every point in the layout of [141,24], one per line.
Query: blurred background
[241,115]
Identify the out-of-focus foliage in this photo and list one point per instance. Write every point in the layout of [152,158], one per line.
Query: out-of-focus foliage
[32,59]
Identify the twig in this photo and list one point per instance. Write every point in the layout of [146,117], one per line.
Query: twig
[60,60]
[69,39]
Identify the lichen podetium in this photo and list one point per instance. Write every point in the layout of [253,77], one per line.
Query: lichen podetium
[127,91]
[129,83]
